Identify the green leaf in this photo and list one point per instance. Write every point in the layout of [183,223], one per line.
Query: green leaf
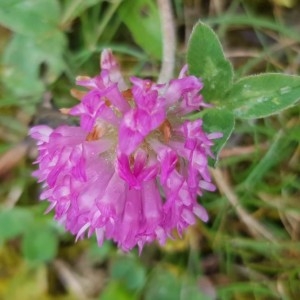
[99,254]
[205,58]
[74,9]
[115,290]
[216,120]
[142,19]
[239,288]
[37,42]
[191,290]
[13,223]
[30,17]
[163,285]
[40,243]
[294,133]
[23,58]
[262,95]
[281,148]
[24,102]
[130,272]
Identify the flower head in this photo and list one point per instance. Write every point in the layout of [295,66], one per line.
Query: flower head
[133,168]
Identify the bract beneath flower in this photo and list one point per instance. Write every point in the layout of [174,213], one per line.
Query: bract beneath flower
[133,169]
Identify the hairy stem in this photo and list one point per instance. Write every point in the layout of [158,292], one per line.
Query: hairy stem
[169,40]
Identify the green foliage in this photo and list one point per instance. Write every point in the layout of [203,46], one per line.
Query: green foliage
[262,95]
[206,59]
[142,19]
[36,26]
[14,223]
[128,278]
[39,240]
[115,290]
[74,9]
[163,285]
[29,17]
[100,254]
[239,289]
[22,69]
[218,120]
[40,243]
[280,148]
[130,272]
[255,21]
[250,97]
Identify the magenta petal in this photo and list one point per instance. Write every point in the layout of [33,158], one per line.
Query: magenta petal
[201,213]
[140,160]
[114,95]
[179,87]
[152,203]
[130,135]
[188,216]
[148,173]
[156,119]
[130,224]
[167,158]
[40,133]
[124,170]
[108,62]
[129,140]
[78,160]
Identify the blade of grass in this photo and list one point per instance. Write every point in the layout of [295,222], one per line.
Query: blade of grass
[255,22]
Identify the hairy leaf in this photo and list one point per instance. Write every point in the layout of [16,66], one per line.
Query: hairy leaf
[206,59]
[262,95]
